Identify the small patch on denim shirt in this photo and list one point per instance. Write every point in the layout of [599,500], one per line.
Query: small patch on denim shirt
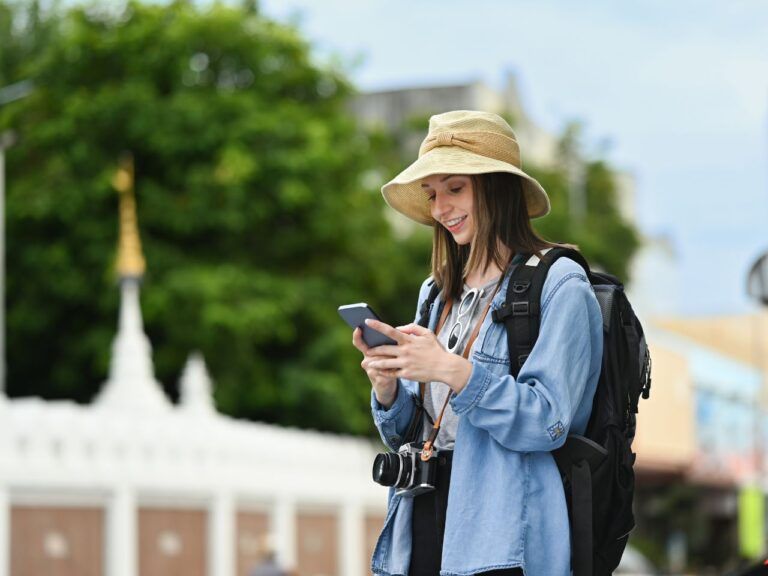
[556,430]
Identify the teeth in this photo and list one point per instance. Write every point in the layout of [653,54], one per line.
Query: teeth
[454,221]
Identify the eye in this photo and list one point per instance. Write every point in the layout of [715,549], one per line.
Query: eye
[456,189]
[431,197]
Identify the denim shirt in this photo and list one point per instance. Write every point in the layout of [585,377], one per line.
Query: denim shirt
[506,505]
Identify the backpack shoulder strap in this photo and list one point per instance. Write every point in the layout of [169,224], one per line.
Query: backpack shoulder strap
[434,290]
[521,311]
[520,314]
[571,253]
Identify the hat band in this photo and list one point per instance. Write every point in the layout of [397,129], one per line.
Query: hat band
[488,144]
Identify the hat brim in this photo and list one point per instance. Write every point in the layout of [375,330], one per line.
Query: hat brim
[405,194]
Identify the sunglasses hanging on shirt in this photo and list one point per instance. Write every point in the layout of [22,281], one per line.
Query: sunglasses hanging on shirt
[466,307]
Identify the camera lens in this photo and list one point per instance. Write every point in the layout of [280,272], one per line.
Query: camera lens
[388,469]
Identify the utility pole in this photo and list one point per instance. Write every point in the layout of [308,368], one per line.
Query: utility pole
[757,288]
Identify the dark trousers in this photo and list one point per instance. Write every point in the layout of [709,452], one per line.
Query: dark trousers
[428,528]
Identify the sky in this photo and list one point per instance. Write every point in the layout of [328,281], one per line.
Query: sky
[679,90]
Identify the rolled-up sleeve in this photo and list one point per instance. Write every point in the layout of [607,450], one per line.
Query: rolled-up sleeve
[393,422]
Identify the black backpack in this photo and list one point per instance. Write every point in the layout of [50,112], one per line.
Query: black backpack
[596,468]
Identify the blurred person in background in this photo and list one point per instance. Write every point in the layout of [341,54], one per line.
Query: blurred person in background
[268,566]
[498,505]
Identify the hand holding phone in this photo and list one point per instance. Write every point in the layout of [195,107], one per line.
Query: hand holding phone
[356,314]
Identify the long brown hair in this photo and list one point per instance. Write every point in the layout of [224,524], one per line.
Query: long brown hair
[501,220]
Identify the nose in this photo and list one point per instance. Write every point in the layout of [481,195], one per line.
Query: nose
[441,206]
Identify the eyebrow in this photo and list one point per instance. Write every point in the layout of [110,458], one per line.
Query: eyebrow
[443,179]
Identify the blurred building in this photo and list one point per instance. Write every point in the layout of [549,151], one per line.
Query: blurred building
[133,484]
[728,356]
[702,436]
[405,112]
[699,438]
[709,371]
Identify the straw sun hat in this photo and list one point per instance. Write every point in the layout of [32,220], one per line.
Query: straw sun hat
[462,142]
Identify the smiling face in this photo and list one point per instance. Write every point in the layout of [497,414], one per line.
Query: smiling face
[482,221]
[451,203]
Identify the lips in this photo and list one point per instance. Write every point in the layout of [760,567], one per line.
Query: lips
[455,224]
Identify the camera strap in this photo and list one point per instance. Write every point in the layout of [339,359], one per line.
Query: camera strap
[426,452]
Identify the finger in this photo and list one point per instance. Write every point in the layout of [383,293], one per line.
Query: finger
[386,364]
[414,329]
[377,371]
[358,342]
[387,330]
[385,350]
[390,373]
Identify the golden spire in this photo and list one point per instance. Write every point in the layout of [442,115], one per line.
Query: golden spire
[130,260]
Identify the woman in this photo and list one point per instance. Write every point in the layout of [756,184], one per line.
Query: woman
[499,506]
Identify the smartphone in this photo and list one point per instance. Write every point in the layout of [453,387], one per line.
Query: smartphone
[356,314]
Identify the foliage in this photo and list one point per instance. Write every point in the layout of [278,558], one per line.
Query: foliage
[257,203]
[607,240]
[253,218]
[603,234]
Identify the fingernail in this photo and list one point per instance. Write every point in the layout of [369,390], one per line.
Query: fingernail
[368,321]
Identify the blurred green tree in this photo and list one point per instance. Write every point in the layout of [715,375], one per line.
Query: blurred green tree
[24,29]
[602,233]
[604,236]
[257,199]
[256,215]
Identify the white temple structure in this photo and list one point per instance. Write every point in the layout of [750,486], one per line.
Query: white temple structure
[135,485]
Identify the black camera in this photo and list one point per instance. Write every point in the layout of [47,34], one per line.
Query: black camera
[405,470]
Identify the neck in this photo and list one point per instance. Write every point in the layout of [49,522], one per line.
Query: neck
[481,275]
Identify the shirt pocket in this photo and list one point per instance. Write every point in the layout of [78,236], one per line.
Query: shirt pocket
[493,350]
